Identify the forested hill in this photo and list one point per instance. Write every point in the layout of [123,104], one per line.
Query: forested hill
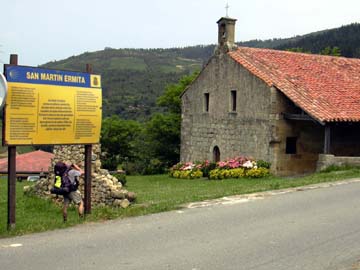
[134,78]
[346,38]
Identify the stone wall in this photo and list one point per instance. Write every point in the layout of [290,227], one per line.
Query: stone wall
[246,131]
[328,160]
[257,128]
[106,189]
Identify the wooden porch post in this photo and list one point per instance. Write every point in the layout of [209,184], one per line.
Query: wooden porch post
[327,140]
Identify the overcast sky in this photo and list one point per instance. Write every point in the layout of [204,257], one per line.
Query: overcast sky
[43,30]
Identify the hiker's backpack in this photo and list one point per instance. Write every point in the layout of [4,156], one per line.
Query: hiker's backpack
[62,183]
[66,182]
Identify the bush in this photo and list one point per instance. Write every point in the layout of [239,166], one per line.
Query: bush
[154,166]
[257,172]
[215,174]
[121,177]
[189,174]
[220,174]
[109,163]
[231,168]
[206,167]
[263,164]
[187,170]
[238,173]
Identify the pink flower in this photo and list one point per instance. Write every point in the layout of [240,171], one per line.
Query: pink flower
[234,164]
[222,164]
[187,166]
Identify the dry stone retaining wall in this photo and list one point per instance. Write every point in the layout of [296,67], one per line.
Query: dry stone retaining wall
[328,160]
[105,188]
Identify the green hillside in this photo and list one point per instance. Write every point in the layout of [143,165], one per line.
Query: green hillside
[134,78]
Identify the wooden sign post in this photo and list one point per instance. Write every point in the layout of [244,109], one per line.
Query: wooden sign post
[88,153]
[11,172]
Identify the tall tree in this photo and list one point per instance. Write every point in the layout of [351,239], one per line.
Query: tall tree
[170,100]
[163,129]
[119,140]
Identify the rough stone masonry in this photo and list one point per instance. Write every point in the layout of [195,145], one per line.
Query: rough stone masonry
[105,188]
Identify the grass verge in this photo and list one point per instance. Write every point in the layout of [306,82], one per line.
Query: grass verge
[156,193]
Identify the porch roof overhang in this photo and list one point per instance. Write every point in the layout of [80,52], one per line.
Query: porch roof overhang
[302,117]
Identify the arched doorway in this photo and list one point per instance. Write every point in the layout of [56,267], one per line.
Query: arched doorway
[216,154]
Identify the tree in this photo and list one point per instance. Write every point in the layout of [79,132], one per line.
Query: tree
[335,51]
[298,49]
[163,129]
[171,97]
[119,140]
[148,148]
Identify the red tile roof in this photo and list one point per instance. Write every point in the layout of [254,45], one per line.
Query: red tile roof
[33,162]
[326,87]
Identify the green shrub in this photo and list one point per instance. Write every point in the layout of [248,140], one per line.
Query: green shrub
[263,164]
[237,173]
[121,177]
[196,174]
[257,173]
[175,173]
[186,174]
[207,167]
[154,166]
[213,174]
[219,174]
[109,163]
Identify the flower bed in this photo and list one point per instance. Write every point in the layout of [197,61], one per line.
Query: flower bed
[231,168]
[187,170]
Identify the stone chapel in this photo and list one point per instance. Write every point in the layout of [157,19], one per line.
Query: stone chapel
[298,111]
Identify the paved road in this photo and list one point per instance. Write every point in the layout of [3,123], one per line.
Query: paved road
[313,229]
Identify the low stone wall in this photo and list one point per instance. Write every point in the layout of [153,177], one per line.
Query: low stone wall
[325,161]
[105,188]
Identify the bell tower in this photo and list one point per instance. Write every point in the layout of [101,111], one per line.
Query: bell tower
[226,34]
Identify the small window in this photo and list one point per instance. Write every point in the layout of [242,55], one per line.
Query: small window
[291,145]
[233,101]
[206,102]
